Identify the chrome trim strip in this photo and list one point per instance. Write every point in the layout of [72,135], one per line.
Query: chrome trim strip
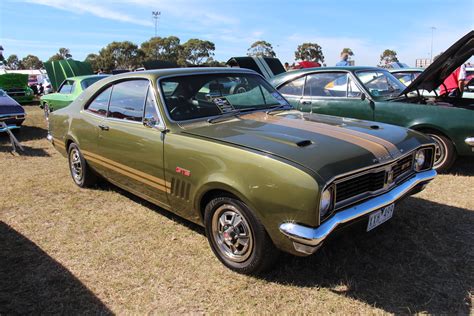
[469,141]
[9,127]
[315,236]
[13,115]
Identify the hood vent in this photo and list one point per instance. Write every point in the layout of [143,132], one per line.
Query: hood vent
[304,143]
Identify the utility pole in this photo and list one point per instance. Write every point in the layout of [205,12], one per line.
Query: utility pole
[156,15]
[431,52]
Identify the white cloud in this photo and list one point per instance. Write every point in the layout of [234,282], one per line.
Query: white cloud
[86,6]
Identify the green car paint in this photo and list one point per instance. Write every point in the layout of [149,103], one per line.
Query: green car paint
[276,163]
[68,91]
[16,86]
[438,117]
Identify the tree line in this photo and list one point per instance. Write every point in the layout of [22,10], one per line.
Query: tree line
[194,52]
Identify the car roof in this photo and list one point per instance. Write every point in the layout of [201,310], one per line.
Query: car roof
[80,78]
[407,70]
[286,76]
[158,73]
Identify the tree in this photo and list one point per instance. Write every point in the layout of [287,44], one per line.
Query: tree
[347,51]
[31,62]
[196,52]
[388,56]
[13,62]
[310,52]
[162,48]
[120,55]
[94,61]
[261,49]
[64,53]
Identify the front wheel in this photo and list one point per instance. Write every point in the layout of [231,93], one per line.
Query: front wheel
[237,237]
[445,155]
[81,173]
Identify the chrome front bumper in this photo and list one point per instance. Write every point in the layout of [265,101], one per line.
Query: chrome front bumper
[307,239]
[469,141]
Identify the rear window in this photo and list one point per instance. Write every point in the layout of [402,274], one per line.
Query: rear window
[85,83]
[67,87]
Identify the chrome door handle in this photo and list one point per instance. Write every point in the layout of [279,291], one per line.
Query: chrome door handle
[305,102]
[103,127]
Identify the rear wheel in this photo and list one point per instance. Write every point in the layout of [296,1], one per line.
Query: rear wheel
[237,237]
[81,173]
[445,154]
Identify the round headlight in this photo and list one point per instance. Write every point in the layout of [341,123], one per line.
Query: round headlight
[420,160]
[326,200]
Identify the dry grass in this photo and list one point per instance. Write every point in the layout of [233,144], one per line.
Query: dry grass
[67,250]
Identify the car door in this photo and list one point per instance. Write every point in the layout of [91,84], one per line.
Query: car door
[131,150]
[64,96]
[335,93]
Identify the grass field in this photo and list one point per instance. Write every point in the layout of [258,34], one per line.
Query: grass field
[70,250]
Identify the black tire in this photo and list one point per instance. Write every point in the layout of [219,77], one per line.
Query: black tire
[445,154]
[260,254]
[81,173]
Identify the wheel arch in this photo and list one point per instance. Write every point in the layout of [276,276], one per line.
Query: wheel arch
[426,128]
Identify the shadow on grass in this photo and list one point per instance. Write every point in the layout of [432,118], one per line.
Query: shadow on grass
[25,133]
[34,283]
[464,166]
[420,261]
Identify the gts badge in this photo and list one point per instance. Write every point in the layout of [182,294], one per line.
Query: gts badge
[182,171]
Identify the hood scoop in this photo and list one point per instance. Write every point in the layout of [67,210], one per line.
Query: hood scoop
[304,143]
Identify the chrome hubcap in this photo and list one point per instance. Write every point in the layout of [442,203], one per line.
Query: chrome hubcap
[76,164]
[232,233]
[440,151]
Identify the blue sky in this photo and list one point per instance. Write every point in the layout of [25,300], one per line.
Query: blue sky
[41,27]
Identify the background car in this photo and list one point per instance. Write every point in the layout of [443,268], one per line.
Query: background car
[258,175]
[68,91]
[11,113]
[16,86]
[406,75]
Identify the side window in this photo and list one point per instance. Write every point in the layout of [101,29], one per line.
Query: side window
[100,103]
[330,84]
[150,108]
[352,89]
[128,99]
[294,87]
[67,87]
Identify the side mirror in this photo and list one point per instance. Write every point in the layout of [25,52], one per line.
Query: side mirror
[363,96]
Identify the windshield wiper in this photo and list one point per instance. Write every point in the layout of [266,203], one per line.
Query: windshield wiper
[281,107]
[228,115]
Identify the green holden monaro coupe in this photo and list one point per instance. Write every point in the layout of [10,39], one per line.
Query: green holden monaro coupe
[258,175]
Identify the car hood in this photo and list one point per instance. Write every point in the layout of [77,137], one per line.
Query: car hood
[9,81]
[59,70]
[9,105]
[444,65]
[327,145]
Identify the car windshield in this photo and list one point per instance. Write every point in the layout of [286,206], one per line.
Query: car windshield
[198,96]
[380,83]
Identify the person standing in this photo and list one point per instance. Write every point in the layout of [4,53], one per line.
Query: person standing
[344,60]
[453,85]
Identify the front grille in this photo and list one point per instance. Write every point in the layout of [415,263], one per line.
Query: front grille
[368,182]
[16,92]
[372,181]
